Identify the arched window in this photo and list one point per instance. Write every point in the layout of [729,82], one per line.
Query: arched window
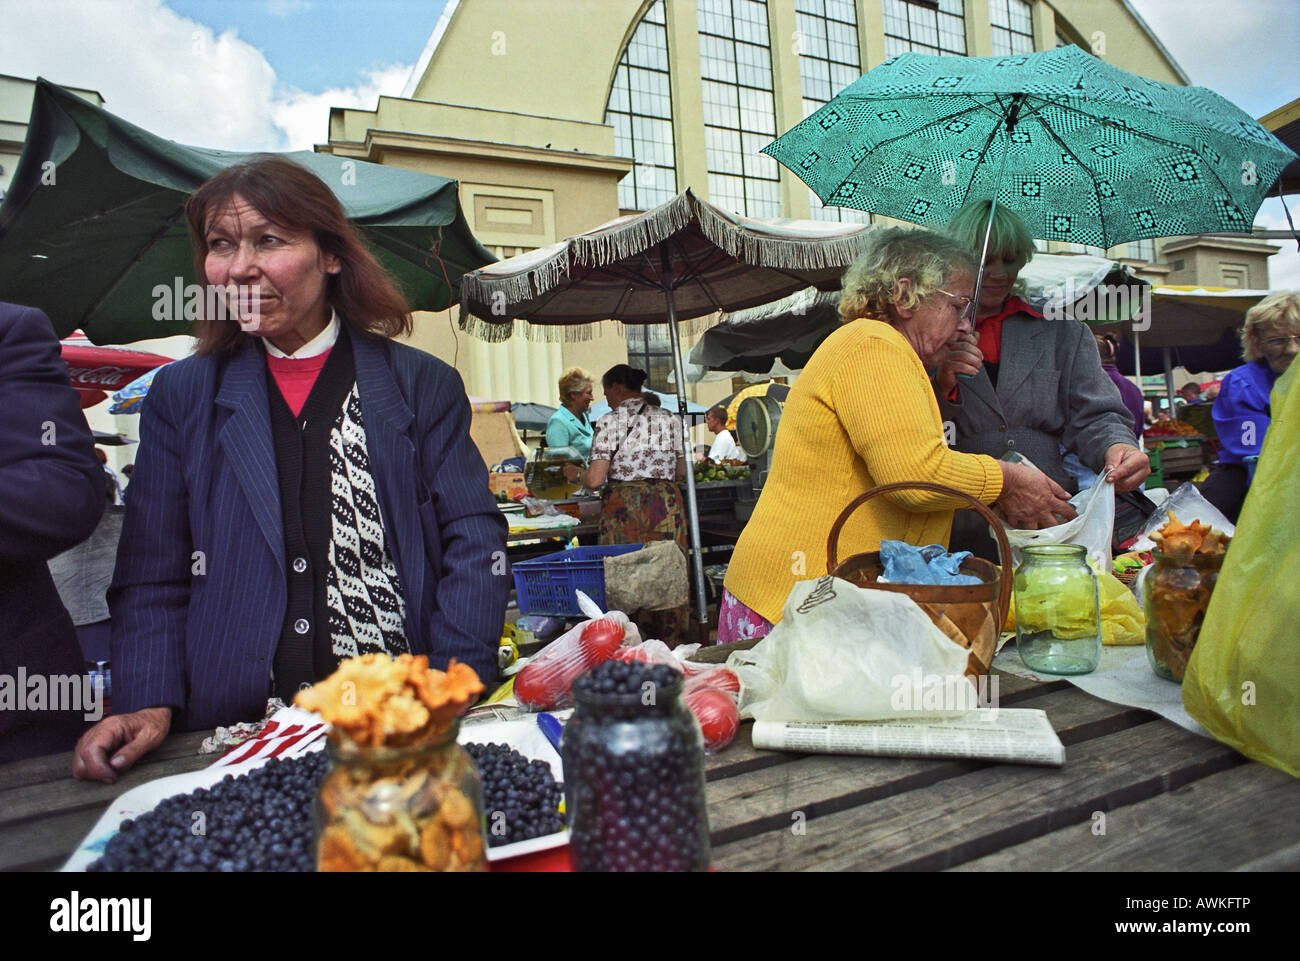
[640,110]
[1013,27]
[739,108]
[926,26]
[828,62]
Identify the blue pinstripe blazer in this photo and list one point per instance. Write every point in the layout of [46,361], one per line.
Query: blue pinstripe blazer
[200,591]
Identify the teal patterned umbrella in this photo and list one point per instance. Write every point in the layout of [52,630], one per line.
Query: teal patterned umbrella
[1082,151]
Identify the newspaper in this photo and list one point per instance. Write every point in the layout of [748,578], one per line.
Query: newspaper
[1018,735]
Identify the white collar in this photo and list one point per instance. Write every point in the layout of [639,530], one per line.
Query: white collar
[314,347]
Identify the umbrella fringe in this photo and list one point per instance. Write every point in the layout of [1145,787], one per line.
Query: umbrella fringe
[774,252]
[641,234]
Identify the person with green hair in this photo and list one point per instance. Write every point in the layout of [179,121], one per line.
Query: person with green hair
[1019,383]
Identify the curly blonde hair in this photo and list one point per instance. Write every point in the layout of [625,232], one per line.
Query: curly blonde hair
[927,259]
[1280,312]
[572,381]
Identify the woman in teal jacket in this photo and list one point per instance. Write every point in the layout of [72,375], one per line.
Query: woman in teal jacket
[569,426]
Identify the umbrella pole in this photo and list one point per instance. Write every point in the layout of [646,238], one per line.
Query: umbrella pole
[1169,380]
[1137,372]
[984,253]
[692,511]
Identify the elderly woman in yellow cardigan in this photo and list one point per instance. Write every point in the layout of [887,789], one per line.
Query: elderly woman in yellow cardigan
[863,413]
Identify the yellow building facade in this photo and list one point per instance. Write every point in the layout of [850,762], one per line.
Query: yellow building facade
[558,115]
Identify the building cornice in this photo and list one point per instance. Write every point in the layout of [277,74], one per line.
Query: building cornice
[378,141]
[1243,245]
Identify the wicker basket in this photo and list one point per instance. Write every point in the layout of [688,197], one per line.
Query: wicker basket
[972,615]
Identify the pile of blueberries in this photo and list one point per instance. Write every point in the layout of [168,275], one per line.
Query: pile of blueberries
[520,797]
[260,821]
[622,677]
[634,777]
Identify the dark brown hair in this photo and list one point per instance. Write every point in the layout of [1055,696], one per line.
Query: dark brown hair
[294,198]
[625,376]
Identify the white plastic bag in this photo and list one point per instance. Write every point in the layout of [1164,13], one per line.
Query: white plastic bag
[1189,505]
[846,653]
[1093,528]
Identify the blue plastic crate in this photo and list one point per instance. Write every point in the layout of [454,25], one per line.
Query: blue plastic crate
[546,585]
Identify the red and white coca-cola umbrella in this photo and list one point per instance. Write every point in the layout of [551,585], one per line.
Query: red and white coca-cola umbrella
[106,369]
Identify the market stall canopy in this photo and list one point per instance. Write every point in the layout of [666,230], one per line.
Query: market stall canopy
[532,416]
[694,412]
[708,258]
[94,221]
[790,329]
[92,368]
[1284,123]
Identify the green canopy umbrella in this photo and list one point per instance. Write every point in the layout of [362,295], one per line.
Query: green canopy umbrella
[94,221]
[1083,151]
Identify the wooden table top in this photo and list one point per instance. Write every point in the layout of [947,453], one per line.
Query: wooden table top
[1171,801]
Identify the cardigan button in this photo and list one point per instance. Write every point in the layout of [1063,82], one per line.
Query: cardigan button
[301,625]
[300,564]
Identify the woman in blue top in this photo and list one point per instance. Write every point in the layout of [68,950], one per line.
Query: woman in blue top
[569,426]
[1270,341]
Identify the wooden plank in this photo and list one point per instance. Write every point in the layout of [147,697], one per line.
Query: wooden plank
[27,846]
[39,800]
[763,798]
[961,818]
[58,767]
[1222,822]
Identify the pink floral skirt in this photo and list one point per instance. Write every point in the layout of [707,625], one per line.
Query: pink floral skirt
[736,622]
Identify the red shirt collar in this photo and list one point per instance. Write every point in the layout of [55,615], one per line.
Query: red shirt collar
[1012,305]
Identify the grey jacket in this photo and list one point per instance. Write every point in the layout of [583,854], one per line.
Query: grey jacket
[1051,393]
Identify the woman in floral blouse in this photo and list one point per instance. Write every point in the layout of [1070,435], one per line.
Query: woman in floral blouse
[637,455]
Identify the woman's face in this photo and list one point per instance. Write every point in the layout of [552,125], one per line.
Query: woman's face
[1000,272]
[281,274]
[580,400]
[935,323]
[1279,346]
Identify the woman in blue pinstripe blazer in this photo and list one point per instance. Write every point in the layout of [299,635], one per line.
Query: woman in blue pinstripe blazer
[306,488]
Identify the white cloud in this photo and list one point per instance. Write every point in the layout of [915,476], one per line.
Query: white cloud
[304,117]
[173,76]
[286,8]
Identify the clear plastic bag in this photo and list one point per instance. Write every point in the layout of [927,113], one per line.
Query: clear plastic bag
[543,684]
[710,691]
[1092,529]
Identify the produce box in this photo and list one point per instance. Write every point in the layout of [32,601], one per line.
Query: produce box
[507,483]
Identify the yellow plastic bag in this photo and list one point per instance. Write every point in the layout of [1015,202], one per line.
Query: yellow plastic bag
[1122,621]
[1243,679]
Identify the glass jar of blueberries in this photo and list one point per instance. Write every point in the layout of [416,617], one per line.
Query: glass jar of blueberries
[634,773]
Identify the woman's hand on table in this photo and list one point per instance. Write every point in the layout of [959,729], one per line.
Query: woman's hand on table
[1129,467]
[1031,500]
[963,357]
[118,741]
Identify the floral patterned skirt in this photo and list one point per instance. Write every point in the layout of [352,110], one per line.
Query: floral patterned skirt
[736,622]
[637,512]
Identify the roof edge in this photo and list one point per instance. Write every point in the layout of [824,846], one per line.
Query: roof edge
[1151,35]
[430,48]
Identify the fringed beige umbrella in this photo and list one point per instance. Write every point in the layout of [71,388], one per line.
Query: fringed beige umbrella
[682,260]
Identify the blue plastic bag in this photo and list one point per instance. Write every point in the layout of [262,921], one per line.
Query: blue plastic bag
[907,564]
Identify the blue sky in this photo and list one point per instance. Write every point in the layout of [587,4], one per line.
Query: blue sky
[321,44]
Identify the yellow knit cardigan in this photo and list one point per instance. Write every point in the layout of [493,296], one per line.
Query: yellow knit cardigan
[862,413]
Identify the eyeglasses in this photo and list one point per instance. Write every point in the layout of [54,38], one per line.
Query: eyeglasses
[1279,343]
[965,306]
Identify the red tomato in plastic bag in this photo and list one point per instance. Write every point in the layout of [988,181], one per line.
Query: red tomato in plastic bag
[542,686]
[718,679]
[632,655]
[600,640]
[718,716]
